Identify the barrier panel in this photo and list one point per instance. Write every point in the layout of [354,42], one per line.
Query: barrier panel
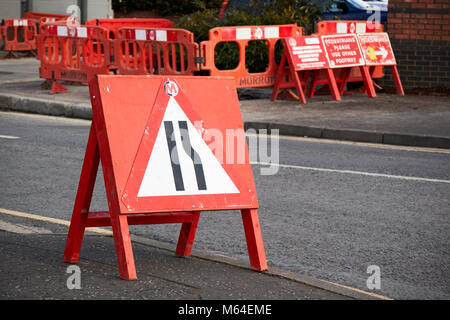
[350,26]
[242,36]
[343,53]
[19,35]
[377,51]
[72,54]
[347,26]
[157,165]
[301,57]
[43,17]
[155,51]
[114,24]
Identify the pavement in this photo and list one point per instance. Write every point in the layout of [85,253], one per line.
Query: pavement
[34,244]
[32,268]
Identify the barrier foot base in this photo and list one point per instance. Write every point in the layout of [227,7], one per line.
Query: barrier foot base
[11,55]
[31,53]
[187,236]
[57,88]
[288,94]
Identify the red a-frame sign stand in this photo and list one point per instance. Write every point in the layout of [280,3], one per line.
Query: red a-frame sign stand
[83,218]
[299,76]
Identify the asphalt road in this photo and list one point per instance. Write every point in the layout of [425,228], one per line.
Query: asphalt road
[330,211]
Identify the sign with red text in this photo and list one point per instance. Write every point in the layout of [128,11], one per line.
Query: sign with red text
[342,50]
[377,49]
[307,53]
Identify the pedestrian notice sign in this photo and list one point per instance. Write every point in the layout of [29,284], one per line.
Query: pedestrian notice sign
[170,148]
[377,49]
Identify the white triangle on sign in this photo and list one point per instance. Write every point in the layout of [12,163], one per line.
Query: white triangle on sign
[159,178]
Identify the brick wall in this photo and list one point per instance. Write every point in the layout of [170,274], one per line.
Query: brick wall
[420,35]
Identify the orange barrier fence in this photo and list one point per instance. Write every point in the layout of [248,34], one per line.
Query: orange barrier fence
[348,26]
[72,54]
[106,46]
[242,36]
[114,24]
[19,35]
[43,17]
[155,51]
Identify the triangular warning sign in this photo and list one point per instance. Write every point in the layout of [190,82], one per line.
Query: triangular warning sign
[175,169]
[181,163]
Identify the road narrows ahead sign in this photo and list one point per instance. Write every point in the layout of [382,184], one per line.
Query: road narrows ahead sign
[174,161]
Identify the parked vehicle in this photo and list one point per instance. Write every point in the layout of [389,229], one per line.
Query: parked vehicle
[357,10]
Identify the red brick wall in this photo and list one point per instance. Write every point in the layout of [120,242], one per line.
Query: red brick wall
[419,19]
[420,35]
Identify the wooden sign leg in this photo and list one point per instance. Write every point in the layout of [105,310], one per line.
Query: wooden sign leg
[397,81]
[187,236]
[122,241]
[344,75]
[83,199]
[313,85]
[368,84]
[254,239]
[298,86]
[278,79]
[305,80]
[332,85]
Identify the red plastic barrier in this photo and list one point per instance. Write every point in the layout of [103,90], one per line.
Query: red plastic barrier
[114,24]
[43,17]
[347,26]
[350,26]
[155,51]
[242,36]
[72,54]
[19,35]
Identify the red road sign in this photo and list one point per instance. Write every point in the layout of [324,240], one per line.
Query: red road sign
[155,138]
[307,53]
[173,168]
[343,50]
[377,49]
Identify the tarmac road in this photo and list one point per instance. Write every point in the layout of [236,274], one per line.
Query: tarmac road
[330,211]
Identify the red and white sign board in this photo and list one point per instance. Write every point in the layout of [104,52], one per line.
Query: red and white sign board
[174,169]
[169,149]
[377,49]
[343,51]
[307,53]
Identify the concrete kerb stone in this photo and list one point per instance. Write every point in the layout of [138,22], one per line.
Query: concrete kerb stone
[353,135]
[19,103]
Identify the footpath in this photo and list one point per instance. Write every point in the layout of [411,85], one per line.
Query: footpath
[32,246]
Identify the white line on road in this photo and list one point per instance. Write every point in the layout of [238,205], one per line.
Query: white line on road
[8,137]
[358,144]
[371,174]
[19,228]
[51,220]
